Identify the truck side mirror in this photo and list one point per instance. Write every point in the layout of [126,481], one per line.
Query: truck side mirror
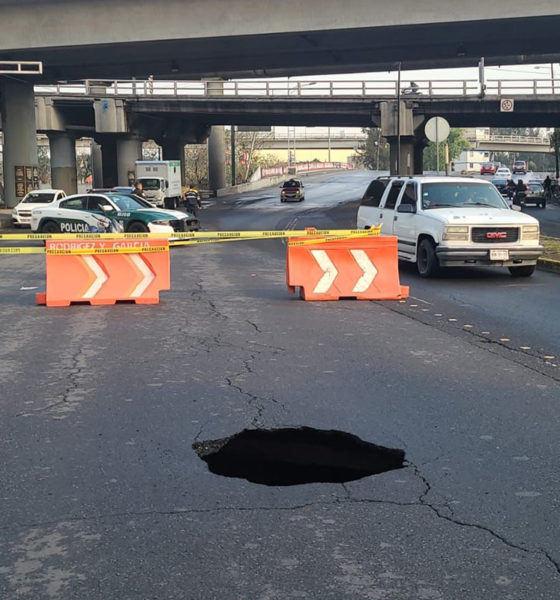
[406,208]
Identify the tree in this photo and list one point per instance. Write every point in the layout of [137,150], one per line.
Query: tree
[248,145]
[373,153]
[555,145]
[196,165]
[457,143]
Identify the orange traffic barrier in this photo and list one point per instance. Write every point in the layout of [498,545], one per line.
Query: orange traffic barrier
[105,272]
[362,268]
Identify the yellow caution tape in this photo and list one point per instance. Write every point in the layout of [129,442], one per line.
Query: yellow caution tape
[192,234]
[22,250]
[131,250]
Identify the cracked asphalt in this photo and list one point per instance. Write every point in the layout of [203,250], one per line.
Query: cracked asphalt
[102,496]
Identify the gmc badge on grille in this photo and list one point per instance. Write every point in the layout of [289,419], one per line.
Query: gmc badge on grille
[496,235]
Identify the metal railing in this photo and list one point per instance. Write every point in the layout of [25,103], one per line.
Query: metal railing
[323,135]
[303,88]
[510,139]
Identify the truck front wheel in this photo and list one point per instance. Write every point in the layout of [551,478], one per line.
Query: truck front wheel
[426,259]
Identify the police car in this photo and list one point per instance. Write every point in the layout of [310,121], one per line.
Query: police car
[109,212]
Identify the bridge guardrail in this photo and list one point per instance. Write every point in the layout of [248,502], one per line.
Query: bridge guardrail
[303,88]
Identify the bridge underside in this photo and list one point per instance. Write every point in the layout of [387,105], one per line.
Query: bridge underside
[451,44]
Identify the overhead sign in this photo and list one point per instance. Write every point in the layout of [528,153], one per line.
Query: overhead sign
[437,129]
[507,105]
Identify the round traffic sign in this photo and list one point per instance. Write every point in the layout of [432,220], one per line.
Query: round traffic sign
[437,129]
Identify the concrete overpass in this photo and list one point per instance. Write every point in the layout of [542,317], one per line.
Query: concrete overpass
[187,38]
[511,143]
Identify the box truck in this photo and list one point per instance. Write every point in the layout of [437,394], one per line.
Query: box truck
[161,181]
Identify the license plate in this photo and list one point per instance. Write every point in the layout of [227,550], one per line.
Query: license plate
[499,255]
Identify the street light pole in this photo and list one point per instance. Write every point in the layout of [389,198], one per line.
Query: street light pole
[399,119]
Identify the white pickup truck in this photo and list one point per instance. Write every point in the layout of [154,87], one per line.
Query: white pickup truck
[450,222]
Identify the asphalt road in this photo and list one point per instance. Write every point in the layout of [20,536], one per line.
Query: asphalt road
[102,495]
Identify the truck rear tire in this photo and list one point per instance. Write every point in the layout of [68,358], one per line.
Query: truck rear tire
[426,259]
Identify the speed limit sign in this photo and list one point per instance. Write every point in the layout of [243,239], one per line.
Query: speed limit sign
[506,105]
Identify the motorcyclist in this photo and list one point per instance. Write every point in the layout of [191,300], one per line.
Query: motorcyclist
[520,192]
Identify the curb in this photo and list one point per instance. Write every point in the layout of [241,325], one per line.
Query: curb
[548,264]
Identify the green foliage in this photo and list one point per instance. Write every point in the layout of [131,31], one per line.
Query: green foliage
[457,143]
[373,153]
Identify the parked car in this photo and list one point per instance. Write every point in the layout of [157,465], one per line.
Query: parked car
[451,221]
[293,190]
[21,214]
[519,166]
[111,211]
[488,169]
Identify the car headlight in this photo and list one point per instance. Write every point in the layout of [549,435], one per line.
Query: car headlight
[162,222]
[456,233]
[530,232]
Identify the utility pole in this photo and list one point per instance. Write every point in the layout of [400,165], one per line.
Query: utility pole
[399,119]
[233,156]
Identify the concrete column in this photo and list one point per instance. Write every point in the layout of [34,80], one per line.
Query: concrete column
[129,150]
[419,156]
[174,149]
[109,162]
[216,143]
[63,162]
[96,165]
[17,106]
[217,158]
[407,155]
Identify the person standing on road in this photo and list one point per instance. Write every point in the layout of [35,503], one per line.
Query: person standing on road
[547,185]
[192,200]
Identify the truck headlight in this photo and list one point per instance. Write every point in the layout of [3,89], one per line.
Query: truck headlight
[162,222]
[456,233]
[530,232]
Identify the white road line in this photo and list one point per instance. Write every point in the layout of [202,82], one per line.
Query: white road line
[328,268]
[100,277]
[367,267]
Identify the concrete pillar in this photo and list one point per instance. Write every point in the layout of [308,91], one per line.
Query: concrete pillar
[96,165]
[129,150]
[407,155]
[63,162]
[109,162]
[217,158]
[17,106]
[419,147]
[174,149]
[216,143]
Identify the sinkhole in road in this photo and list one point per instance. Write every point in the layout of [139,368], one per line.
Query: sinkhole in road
[293,456]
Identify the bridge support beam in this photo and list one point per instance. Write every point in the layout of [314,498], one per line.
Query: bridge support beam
[17,105]
[63,162]
[129,150]
[217,158]
[407,160]
[419,146]
[174,149]
[96,165]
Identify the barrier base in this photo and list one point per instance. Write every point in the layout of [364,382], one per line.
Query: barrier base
[41,300]
[310,296]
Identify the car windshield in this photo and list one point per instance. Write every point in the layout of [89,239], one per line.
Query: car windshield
[291,184]
[499,181]
[151,184]
[460,195]
[36,197]
[536,187]
[128,203]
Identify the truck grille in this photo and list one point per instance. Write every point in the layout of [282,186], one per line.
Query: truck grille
[495,235]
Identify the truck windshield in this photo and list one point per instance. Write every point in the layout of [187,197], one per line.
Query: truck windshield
[460,195]
[150,184]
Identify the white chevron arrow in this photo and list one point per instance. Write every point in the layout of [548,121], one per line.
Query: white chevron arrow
[146,272]
[100,277]
[329,271]
[367,267]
